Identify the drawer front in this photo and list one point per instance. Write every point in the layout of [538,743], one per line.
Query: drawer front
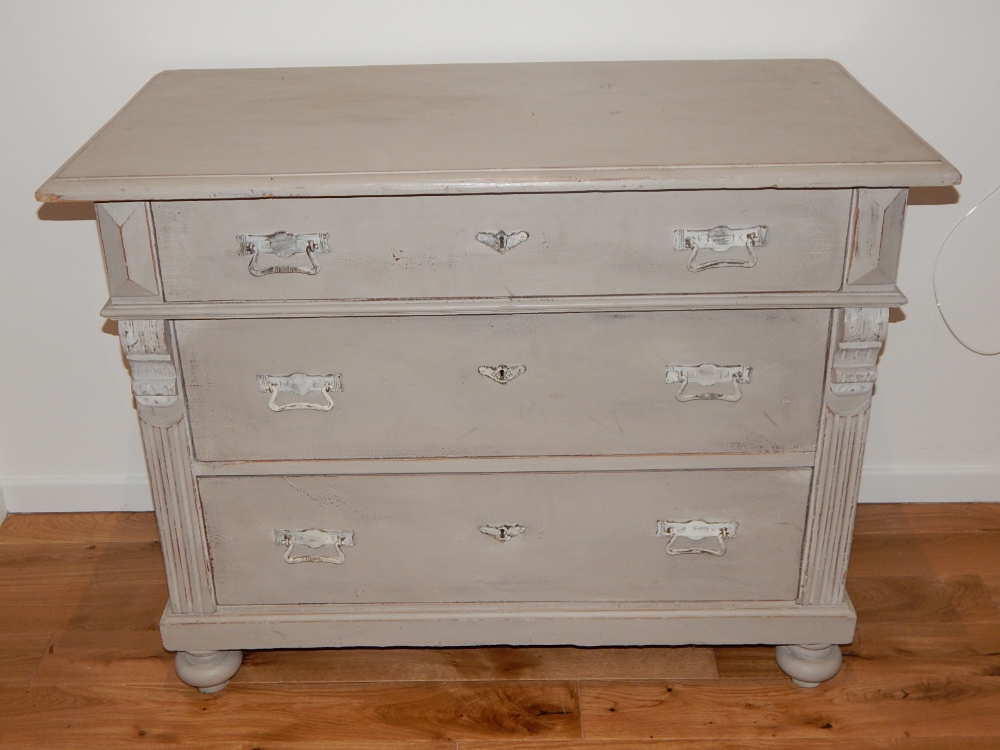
[506,385]
[572,244]
[573,537]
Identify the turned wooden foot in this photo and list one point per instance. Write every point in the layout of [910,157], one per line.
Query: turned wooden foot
[209,671]
[810,665]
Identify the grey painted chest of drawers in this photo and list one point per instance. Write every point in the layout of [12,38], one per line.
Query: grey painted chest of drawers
[571,353]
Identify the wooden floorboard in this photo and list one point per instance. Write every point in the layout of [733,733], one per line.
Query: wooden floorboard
[81,664]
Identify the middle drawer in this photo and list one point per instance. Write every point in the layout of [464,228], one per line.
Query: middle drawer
[506,385]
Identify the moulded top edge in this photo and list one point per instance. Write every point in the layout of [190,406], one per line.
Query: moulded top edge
[203,134]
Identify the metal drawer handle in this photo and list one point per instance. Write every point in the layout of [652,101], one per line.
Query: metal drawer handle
[299,384]
[502,532]
[314,539]
[696,531]
[501,241]
[719,240]
[709,374]
[502,374]
[283,245]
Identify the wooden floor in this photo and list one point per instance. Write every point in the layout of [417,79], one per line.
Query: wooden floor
[81,665]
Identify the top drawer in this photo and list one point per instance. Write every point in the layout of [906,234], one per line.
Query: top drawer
[552,245]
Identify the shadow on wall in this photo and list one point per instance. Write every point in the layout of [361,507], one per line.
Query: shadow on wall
[932,196]
[74,211]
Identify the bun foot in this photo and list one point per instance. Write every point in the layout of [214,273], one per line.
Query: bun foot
[209,671]
[810,665]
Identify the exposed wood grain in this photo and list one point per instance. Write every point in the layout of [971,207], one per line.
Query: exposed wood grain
[78,528]
[926,661]
[78,564]
[992,583]
[59,528]
[416,664]
[945,554]
[20,655]
[846,706]
[922,599]
[927,518]
[257,713]
[747,663]
[901,743]
[137,658]
[930,650]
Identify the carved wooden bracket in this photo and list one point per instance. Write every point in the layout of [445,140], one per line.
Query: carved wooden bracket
[862,331]
[154,377]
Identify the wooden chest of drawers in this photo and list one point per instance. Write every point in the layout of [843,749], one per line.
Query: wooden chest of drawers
[523,354]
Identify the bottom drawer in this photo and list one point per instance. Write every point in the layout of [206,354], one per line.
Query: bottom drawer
[571,537]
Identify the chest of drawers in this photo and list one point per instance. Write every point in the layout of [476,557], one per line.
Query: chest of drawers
[503,354]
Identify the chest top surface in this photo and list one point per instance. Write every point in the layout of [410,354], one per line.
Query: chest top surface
[480,128]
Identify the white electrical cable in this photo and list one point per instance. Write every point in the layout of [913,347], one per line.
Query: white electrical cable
[995,282]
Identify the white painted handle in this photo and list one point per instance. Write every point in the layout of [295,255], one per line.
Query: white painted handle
[708,374]
[708,243]
[283,245]
[314,539]
[696,531]
[299,384]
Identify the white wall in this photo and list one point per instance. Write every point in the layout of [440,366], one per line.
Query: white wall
[68,435]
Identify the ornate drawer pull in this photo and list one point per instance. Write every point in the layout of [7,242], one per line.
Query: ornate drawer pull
[501,241]
[709,374]
[283,245]
[502,532]
[502,374]
[299,384]
[719,240]
[696,531]
[314,539]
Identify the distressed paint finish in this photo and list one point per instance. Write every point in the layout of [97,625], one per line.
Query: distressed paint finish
[524,127]
[684,328]
[877,232]
[417,247]
[129,252]
[149,348]
[594,384]
[858,334]
[420,539]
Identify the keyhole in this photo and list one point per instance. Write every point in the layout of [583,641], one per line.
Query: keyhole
[503,536]
[502,239]
[502,373]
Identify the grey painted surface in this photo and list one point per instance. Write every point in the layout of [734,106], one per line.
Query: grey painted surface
[578,244]
[594,443]
[498,128]
[594,384]
[588,537]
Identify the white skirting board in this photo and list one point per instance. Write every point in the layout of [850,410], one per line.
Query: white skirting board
[879,484]
[74,494]
[930,484]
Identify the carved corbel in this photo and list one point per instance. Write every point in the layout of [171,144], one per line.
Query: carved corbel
[154,377]
[857,340]
[859,336]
